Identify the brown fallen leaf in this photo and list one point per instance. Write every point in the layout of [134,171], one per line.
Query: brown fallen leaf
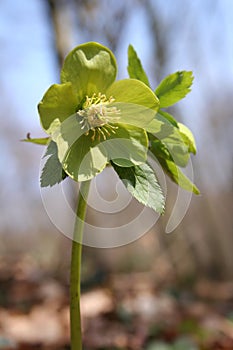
[96,302]
[42,325]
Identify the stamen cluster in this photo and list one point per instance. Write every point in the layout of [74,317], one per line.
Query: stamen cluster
[96,115]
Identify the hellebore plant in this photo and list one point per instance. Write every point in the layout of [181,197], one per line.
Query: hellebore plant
[93,121]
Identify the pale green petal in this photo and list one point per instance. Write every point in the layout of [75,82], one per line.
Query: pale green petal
[83,162]
[127,146]
[188,137]
[59,102]
[133,91]
[162,123]
[66,134]
[82,157]
[91,68]
[133,114]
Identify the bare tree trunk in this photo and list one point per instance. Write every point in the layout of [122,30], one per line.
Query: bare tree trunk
[62,25]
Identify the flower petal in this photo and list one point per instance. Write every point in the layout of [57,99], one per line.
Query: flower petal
[131,113]
[127,146]
[84,155]
[83,160]
[59,102]
[81,156]
[133,91]
[91,68]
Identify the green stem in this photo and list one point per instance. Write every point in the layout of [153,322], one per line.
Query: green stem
[75,272]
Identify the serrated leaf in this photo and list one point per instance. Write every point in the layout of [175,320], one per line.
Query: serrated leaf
[51,149]
[142,183]
[52,172]
[173,88]
[135,68]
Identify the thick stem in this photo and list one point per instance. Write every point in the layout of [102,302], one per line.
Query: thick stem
[75,272]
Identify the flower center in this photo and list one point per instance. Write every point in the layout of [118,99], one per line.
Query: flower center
[96,116]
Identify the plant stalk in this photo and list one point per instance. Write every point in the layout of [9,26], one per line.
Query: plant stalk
[75,271]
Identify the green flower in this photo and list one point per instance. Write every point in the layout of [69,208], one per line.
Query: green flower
[94,119]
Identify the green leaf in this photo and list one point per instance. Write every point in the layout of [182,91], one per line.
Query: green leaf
[58,103]
[169,165]
[158,148]
[142,183]
[52,172]
[177,176]
[188,137]
[91,68]
[135,68]
[173,88]
[133,91]
[39,141]
[169,118]
[168,135]
[178,150]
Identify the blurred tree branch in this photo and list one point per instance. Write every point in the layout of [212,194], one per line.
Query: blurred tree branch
[62,25]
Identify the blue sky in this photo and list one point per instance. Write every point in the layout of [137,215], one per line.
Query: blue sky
[27,57]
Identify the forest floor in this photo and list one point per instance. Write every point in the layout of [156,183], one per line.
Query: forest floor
[127,311]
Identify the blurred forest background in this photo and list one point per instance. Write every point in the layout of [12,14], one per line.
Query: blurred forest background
[195,261]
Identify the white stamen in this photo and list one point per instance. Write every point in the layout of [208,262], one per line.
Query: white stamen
[96,115]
